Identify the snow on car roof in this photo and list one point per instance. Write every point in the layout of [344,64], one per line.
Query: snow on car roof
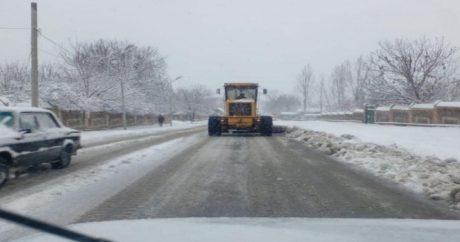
[358,111]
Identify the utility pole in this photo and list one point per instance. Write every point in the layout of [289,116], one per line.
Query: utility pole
[171,94]
[34,54]
[321,90]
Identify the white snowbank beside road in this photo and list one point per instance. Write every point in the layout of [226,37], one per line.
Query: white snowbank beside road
[442,142]
[91,137]
[436,178]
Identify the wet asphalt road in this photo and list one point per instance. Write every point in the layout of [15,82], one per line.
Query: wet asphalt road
[253,176]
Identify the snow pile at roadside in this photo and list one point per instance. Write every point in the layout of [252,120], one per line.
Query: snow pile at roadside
[89,137]
[439,179]
[427,141]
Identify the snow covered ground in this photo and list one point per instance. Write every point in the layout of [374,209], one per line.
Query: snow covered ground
[442,142]
[54,200]
[390,152]
[93,137]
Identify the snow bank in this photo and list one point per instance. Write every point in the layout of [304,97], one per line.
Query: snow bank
[436,178]
[442,142]
[90,137]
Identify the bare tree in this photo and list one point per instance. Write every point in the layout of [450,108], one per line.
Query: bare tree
[304,83]
[14,82]
[321,94]
[108,73]
[87,67]
[417,71]
[195,99]
[340,81]
[360,78]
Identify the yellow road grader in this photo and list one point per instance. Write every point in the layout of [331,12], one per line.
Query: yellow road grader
[240,112]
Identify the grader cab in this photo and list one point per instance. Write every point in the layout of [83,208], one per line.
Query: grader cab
[240,112]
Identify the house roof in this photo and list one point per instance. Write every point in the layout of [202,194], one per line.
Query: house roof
[422,106]
[400,107]
[386,108]
[448,105]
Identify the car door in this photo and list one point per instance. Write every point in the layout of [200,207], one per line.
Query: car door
[32,146]
[53,134]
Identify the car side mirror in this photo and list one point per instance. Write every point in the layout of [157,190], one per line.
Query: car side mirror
[265,91]
[218,90]
[25,131]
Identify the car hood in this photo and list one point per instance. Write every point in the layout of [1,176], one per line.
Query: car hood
[70,131]
[268,229]
[8,135]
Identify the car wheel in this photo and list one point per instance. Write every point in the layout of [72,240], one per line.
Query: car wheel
[4,171]
[64,159]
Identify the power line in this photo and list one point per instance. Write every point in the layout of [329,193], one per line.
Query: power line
[29,59]
[14,28]
[53,42]
[48,52]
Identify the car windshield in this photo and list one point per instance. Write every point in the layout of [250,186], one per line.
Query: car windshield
[234,120]
[7,119]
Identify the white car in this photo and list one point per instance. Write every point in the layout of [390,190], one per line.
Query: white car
[30,136]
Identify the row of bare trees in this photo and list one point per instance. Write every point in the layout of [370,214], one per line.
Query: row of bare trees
[398,72]
[104,75]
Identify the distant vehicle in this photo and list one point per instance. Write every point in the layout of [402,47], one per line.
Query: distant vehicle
[240,112]
[31,136]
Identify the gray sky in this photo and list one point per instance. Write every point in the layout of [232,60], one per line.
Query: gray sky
[216,41]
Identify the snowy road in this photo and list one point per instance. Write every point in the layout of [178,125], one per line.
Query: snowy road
[259,176]
[96,153]
[188,174]
[97,173]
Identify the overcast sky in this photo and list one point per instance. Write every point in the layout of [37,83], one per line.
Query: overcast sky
[217,41]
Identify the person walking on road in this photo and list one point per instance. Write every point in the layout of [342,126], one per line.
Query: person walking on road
[161,120]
